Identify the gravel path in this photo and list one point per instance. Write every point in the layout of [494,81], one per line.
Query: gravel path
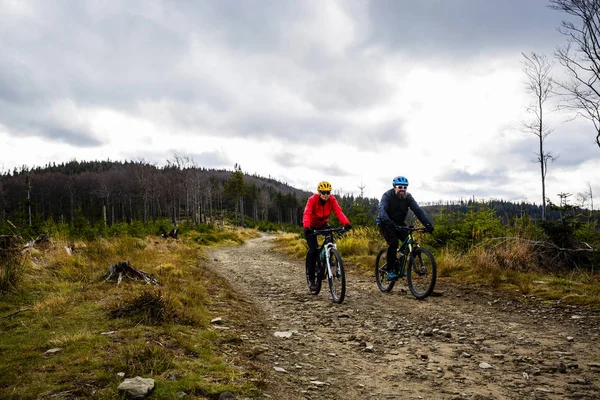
[460,345]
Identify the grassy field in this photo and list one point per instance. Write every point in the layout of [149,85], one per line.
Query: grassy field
[103,328]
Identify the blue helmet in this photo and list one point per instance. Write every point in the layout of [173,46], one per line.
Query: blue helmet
[400,180]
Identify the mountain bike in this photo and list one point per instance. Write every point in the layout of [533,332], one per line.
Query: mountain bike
[413,261]
[330,265]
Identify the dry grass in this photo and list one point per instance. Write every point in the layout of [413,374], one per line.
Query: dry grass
[292,244]
[504,263]
[11,266]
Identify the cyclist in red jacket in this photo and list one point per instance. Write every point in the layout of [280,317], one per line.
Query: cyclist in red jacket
[316,216]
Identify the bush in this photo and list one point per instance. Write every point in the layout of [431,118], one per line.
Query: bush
[150,307]
[355,242]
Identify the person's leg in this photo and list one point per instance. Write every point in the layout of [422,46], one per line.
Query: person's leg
[392,241]
[311,240]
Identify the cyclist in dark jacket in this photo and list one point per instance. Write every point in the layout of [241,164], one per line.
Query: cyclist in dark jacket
[316,216]
[393,209]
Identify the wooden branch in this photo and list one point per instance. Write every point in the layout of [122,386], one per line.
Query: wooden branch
[536,243]
[16,312]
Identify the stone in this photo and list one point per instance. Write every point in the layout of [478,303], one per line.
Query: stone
[137,388]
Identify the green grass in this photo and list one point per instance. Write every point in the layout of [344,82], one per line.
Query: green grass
[162,332]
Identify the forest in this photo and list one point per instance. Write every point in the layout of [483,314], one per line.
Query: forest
[107,193]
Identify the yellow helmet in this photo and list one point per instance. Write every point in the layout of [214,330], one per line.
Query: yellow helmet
[324,187]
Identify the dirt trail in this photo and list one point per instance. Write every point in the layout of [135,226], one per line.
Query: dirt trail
[461,345]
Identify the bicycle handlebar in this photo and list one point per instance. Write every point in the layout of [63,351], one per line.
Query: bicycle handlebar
[329,230]
[409,228]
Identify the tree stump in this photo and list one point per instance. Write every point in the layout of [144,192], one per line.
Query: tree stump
[122,269]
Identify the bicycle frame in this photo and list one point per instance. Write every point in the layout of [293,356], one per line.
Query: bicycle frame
[326,256]
[328,244]
[408,243]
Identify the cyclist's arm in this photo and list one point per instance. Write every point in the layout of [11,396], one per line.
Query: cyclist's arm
[308,212]
[414,206]
[383,206]
[338,211]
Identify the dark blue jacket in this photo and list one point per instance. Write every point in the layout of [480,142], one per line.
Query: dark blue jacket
[394,208]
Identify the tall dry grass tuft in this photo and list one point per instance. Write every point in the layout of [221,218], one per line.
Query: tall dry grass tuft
[142,359]
[504,261]
[451,263]
[354,243]
[11,263]
[149,307]
[515,255]
[292,244]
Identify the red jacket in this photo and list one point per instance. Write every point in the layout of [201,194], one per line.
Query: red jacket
[316,214]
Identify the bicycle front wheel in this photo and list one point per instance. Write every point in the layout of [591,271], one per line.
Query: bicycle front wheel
[422,272]
[318,281]
[381,273]
[337,279]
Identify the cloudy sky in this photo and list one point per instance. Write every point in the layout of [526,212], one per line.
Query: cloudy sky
[350,91]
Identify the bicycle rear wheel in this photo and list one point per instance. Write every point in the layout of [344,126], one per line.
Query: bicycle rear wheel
[337,280]
[383,283]
[422,272]
[318,281]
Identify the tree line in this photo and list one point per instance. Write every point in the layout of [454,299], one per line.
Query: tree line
[114,192]
[111,192]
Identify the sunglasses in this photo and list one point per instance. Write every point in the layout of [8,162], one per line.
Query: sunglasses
[325,192]
[401,186]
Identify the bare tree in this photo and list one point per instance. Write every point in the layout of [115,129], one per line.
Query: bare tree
[581,58]
[591,197]
[539,85]
[143,176]
[583,198]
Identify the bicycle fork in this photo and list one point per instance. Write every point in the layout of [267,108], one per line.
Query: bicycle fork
[325,256]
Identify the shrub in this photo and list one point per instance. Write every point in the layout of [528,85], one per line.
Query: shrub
[150,307]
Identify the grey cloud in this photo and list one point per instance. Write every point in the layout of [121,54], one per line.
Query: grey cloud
[463,28]
[482,193]
[40,122]
[251,27]
[287,160]
[333,170]
[573,143]
[16,83]
[461,184]
[348,86]
[462,177]
[73,137]
[294,127]
[208,159]
[96,55]
[524,150]
[211,159]
[389,132]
